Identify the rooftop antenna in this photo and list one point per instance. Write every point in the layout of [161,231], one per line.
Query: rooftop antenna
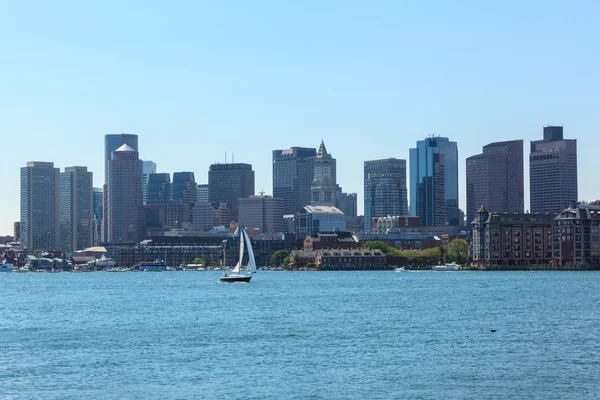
[232,158]
[225,157]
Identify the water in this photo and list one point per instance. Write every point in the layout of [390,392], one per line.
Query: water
[300,335]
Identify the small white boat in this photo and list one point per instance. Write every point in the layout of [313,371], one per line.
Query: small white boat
[401,269]
[446,267]
[5,267]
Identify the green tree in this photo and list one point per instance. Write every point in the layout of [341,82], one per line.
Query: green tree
[206,261]
[197,261]
[371,245]
[279,256]
[458,251]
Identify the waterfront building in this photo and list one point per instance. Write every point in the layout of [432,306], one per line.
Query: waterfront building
[552,171]
[311,220]
[293,174]
[76,209]
[495,179]
[385,189]
[350,259]
[263,245]
[434,181]
[148,167]
[40,206]
[17,232]
[515,239]
[576,233]
[323,187]
[202,193]
[264,213]
[229,182]
[111,143]
[331,240]
[124,211]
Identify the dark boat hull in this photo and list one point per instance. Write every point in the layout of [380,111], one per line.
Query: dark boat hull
[233,279]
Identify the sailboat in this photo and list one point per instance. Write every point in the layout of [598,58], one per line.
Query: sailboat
[236,275]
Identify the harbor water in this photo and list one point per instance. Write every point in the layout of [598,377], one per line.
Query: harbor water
[300,335]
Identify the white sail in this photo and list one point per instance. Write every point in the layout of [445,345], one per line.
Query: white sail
[251,261]
[238,266]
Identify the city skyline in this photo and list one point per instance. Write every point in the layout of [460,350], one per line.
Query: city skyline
[369,82]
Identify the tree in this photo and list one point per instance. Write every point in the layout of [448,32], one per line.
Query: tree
[278,257]
[206,261]
[458,251]
[371,245]
[197,261]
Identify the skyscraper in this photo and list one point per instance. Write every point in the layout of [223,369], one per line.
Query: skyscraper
[293,173]
[385,189]
[202,194]
[124,196]
[148,167]
[434,181]
[98,215]
[262,212]
[111,143]
[76,209]
[495,179]
[552,171]
[229,182]
[324,188]
[159,188]
[40,208]
[184,188]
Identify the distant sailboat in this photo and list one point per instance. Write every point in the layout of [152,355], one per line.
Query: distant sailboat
[236,275]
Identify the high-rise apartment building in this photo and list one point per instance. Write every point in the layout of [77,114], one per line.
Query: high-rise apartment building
[111,143]
[202,193]
[385,189]
[324,187]
[227,183]
[495,179]
[262,212]
[76,209]
[552,171]
[40,208]
[148,167]
[434,181]
[124,196]
[293,174]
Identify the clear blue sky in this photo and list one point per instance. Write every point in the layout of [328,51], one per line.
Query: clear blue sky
[195,80]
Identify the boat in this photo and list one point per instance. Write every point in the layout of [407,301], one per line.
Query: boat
[5,267]
[250,267]
[156,265]
[401,269]
[446,267]
[104,262]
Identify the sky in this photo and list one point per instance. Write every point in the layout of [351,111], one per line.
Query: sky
[196,80]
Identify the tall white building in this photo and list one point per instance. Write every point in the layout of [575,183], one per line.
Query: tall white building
[76,209]
[40,185]
[323,187]
[148,167]
[262,212]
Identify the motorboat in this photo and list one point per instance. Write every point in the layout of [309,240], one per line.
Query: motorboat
[401,269]
[155,266]
[446,267]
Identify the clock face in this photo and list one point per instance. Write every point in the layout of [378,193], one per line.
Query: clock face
[326,171]
[317,171]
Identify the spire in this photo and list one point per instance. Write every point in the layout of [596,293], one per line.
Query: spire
[322,150]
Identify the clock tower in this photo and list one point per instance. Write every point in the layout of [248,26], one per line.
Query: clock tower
[323,188]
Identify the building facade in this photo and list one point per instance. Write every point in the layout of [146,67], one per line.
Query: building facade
[17,231]
[40,206]
[202,193]
[124,211]
[148,167]
[76,209]
[385,189]
[434,181]
[552,171]
[293,173]
[314,219]
[495,179]
[511,239]
[229,182]
[159,188]
[577,235]
[264,213]
[324,188]
[98,194]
